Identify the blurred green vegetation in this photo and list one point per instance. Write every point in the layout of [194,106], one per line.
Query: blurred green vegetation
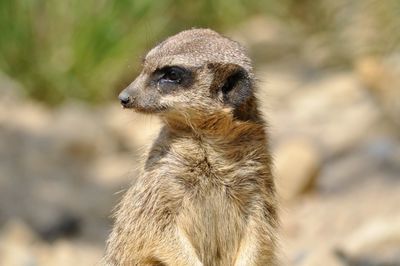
[91,49]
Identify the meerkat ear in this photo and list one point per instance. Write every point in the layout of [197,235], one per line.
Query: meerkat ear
[231,84]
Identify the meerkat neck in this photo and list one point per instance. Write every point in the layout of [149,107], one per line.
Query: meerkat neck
[220,128]
[223,123]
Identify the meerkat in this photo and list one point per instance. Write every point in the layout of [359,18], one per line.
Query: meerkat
[205,195]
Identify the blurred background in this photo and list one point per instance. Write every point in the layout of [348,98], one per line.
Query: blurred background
[329,77]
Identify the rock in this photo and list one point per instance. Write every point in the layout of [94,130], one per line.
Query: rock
[375,243]
[297,165]
[278,82]
[66,225]
[382,77]
[319,52]
[16,240]
[132,130]
[65,253]
[266,38]
[112,171]
[10,90]
[80,133]
[334,109]
[322,256]
[16,111]
[26,116]
[20,246]
[16,231]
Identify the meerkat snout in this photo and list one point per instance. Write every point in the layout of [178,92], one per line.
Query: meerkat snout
[124,98]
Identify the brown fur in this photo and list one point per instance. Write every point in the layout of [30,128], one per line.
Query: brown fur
[205,195]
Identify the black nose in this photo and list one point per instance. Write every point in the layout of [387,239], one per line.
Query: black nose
[124,98]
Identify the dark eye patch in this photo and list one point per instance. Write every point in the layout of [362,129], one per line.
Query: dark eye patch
[172,75]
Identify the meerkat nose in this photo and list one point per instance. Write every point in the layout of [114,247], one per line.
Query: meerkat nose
[124,98]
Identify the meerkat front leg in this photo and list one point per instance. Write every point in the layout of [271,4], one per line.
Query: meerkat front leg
[179,251]
[257,246]
[187,251]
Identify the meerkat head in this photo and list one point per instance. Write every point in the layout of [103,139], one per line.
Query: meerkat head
[194,74]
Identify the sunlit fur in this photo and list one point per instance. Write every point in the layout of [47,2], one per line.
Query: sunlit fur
[205,195]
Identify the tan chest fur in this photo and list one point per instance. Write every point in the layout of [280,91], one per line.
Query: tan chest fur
[208,193]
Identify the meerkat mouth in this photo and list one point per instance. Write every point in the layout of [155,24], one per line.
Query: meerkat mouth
[146,110]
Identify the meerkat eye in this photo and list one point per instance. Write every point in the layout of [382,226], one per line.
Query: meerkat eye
[172,74]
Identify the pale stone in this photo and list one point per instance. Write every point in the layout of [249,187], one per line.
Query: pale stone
[297,164]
